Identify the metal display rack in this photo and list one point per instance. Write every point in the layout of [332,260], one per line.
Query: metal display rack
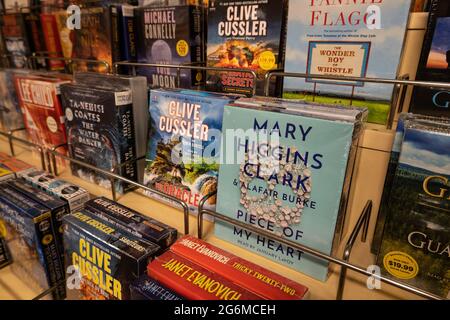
[48,160]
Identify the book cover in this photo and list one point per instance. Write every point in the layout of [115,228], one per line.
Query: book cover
[145,288]
[97,38]
[287,176]
[136,223]
[100,132]
[404,118]
[434,64]
[15,165]
[169,35]
[184,144]
[16,5]
[32,241]
[40,102]
[57,207]
[35,35]
[244,273]
[66,36]
[193,281]
[245,35]
[73,195]
[102,261]
[416,245]
[127,32]
[10,114]
[139,89]
[52,41]
[16,40]
[353,39]
[5,173]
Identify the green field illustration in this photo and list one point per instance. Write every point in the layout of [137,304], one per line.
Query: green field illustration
[378,110]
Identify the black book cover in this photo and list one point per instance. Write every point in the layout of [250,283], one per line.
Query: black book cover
[169,35]
[246,35]
[97,39]
[434,63]
[108,259]
[35,34]
[100,132]
[127,32]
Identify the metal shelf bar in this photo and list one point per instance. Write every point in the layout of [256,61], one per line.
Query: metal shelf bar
[397,96]
[303,248]
[70,61]
[417,83]
[115,176]
[179,67]
[53,153]
[362,221]
[11,138]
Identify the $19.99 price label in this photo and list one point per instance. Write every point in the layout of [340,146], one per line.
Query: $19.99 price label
[401,265]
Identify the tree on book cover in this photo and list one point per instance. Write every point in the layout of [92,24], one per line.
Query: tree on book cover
[169,35]
[434,64]
[416,245]
[403,119]
[16,40]
[97,39]
[245,35]
[288,178]
[100,132]
[184,142]
[346,38]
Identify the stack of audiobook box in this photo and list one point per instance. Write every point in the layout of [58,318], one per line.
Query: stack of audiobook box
[99,249]
[107,247]
[31,211]
[32,208]
[114,252]
[195,270]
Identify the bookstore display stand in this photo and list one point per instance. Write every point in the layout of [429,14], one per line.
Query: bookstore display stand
[197,66]
[401,84]
[48,161]
[70,62]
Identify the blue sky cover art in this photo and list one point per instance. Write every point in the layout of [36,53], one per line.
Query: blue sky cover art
[319,20]
[427,150]
[437,59]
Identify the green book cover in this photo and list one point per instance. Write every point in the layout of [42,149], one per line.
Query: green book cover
[284,173]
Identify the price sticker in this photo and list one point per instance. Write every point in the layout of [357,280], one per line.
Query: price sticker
[401,265]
